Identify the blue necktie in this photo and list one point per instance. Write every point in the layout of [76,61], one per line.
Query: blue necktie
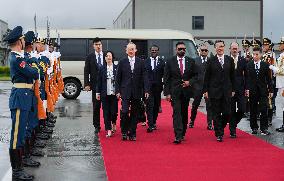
[99,60]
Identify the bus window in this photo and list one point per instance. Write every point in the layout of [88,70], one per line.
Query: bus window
[73,49]
[190,48]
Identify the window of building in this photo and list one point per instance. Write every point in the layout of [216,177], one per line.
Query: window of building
[198,22]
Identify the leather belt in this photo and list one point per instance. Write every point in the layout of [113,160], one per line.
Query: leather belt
[23,86]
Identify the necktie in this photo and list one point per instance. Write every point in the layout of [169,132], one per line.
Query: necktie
[181,66]
[132,64]
[99,60]
[155,63]
[236,62]
[256,68]
[221,62]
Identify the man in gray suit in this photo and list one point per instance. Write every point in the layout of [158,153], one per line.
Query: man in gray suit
[200,67]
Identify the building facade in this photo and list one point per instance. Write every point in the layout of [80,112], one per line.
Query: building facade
[229,20]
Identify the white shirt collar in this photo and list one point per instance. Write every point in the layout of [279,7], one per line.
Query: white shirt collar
[258,62]
[223,57]
[133,58]
[97,54]
[180,58]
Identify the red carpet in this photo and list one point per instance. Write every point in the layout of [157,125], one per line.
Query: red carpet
[153,157]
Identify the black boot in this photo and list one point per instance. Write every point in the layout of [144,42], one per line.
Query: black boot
[281,129]
[18,172]
[27,160]
[49,124]
[46,130]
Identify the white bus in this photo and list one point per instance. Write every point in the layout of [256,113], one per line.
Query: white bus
[75,45]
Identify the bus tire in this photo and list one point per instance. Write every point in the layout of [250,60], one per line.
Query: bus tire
[72,89]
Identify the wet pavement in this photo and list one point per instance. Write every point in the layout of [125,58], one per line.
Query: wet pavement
[74,152]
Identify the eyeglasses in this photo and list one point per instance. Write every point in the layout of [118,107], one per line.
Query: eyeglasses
[181,49]
[204,50]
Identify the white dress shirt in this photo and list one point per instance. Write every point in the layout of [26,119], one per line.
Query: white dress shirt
[257,63]
[203,60]
[235,60]
[153,62]
[132,62]
[183,63]
[221,58]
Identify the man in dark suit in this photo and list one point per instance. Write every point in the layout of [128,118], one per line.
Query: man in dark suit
[238,100]
[198,81]
[155,71]
[93,63]
[178,77]
[131,78]
[259,89]
[219,87]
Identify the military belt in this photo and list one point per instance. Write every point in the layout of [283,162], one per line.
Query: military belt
[23,86]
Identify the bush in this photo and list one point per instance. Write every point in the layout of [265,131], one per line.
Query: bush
[4,71]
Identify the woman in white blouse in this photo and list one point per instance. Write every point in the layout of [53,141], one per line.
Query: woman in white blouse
[106,93]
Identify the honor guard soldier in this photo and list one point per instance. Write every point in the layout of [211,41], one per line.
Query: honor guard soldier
[269,57]
[246,44]
[278,70]
[44,64]
[32,118]
[246,48]
[20,102]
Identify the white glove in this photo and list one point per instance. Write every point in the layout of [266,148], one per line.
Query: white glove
[57,54]
[34,54]
[274,69]
[49,70]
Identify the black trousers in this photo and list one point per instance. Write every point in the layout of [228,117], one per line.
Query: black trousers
[110,108]
[96,111]
[221,110]
[129,122]
[258,102]
[152,106]
[238,105]
[195,104]
[180,114]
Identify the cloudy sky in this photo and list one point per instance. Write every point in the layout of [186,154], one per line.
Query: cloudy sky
[101,13]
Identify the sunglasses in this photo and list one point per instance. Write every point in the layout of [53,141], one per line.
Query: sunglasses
[181,49]
[204,50]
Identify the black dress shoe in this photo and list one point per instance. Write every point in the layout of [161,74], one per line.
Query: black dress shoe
[42,136]
[39,144]
[150,130]
[210,127]
[233,135]
[132,138]
[155,127]
[281,129]
[177,141]
[191,125]
[46,130]
[124,137]
[265,132]
[29,162]
[220,138]
[50,125]
[254,131]
[36,152]
[20,174]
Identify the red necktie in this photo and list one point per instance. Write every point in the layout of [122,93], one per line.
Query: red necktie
[181,66]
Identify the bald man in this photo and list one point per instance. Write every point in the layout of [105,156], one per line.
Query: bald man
[238,100]
[131,82]
[200,67]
